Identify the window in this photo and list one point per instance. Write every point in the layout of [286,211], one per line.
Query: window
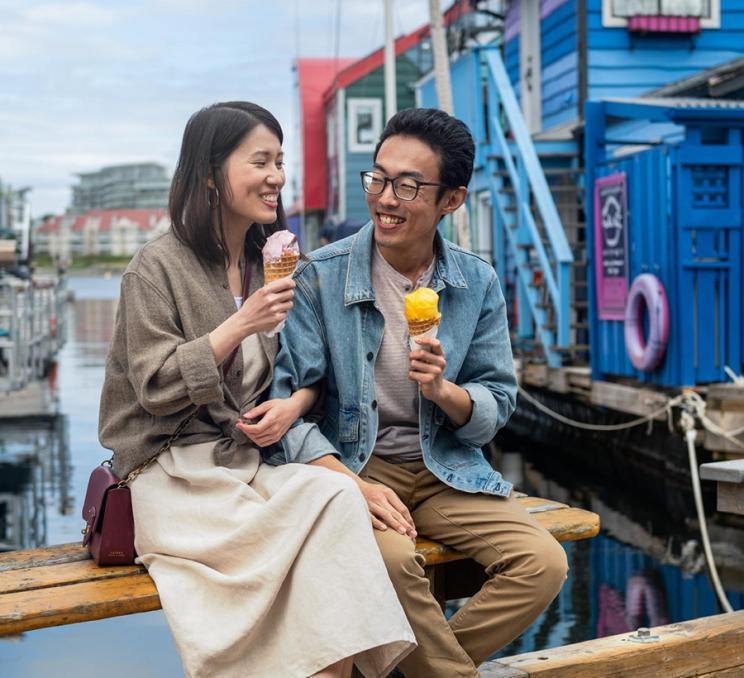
[617,12]
[365,124]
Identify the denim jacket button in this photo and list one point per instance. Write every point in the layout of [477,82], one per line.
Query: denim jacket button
[370,355]
[374,404]
[361,457]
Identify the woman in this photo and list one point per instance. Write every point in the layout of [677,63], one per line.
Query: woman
[252,576]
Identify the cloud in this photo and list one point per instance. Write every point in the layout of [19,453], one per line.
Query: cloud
[92,83]
[73,14]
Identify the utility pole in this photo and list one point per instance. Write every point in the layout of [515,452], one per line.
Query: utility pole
[391,95]
[441,59]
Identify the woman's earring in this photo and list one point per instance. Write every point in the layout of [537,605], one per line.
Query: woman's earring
[213,204]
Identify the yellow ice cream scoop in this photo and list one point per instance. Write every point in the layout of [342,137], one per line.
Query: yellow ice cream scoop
[421,305]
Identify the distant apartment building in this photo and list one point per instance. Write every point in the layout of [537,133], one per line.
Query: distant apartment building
[99,232]
[15,217]
[133,186]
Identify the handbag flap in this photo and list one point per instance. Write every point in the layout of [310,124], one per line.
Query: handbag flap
[101,479]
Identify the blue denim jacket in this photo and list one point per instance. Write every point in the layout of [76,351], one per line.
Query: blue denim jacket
[334,332]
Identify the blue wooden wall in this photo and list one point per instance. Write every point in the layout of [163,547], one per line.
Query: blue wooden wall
[511,45]
[559,55]
[685,227]
[618,63]
[621,65]
[559,60]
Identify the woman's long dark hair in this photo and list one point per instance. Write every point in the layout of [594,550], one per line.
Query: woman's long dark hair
[211,135]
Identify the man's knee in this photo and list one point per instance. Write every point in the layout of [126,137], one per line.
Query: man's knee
[548,566]
[541,564]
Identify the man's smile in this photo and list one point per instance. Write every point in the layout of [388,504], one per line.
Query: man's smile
[389,221]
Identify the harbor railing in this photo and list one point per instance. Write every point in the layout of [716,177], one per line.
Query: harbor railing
[32,329]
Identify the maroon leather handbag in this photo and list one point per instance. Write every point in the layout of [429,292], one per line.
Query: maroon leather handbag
[107,509]
[109,523]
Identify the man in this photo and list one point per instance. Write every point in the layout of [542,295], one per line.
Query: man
[408,425]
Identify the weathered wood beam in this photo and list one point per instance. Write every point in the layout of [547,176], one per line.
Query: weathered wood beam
[61,584]
[711,644]
[730,478]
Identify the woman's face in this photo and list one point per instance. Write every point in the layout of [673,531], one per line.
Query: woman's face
[254,173]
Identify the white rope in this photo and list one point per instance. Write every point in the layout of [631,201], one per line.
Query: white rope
[672,402]
[696,403]
[688,424]
[691,398]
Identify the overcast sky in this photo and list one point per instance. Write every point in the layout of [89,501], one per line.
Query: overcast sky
[93,83]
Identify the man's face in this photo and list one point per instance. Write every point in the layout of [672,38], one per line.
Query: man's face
[407,225]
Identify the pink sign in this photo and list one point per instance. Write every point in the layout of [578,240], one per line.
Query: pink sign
[611,245]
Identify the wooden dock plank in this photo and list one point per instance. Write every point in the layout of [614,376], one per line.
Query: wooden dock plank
[50,555]
[733,672]
[62,574]
[570,524]
[711,644]
[61,584]
[40,608]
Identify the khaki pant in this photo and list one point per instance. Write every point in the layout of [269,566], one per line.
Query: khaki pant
[526,567]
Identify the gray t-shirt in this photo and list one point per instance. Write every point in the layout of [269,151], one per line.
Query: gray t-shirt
[397,396]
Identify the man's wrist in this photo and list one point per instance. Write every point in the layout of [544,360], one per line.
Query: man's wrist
[443,395]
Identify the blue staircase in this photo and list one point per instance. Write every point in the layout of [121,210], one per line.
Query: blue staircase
[528,230]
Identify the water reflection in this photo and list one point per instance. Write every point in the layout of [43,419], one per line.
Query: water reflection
[644,568]
[141,644]
[34,479]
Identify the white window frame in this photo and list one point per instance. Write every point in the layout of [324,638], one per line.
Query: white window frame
[609,21]
[354,106]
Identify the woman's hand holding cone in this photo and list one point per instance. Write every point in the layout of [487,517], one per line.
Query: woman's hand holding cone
[268,306]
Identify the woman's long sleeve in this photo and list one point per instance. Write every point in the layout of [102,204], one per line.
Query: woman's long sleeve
[166,372]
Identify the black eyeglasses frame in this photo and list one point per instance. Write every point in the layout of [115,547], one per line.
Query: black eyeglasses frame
[393,180]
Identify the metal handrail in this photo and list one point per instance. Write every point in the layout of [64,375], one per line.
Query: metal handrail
[558,283]
[30,332]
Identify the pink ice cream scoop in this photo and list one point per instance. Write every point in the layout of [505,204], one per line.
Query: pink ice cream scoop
[280,255]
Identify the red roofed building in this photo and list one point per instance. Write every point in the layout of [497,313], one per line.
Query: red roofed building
[314,77]
[105,232]
[341,125]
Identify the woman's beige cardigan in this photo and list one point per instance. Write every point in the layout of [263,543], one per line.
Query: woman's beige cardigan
[161,366]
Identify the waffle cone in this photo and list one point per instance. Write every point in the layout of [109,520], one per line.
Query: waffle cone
[417,327]
[280,268]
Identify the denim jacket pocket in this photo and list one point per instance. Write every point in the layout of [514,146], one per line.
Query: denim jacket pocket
[348,425]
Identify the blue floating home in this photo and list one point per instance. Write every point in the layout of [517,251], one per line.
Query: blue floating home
[620,112]
[607,194]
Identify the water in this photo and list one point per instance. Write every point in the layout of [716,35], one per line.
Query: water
[138,645]
[644,569]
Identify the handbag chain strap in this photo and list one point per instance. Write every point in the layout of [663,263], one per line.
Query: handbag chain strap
[179,429]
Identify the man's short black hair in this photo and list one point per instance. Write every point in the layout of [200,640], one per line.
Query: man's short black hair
[447,136]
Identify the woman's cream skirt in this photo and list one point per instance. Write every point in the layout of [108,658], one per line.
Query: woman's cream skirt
[265,571]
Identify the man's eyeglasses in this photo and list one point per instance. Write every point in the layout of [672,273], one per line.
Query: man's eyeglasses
[405,188]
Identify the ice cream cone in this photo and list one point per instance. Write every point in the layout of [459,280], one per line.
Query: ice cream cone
[282,267]
[419,327]
[422,315]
